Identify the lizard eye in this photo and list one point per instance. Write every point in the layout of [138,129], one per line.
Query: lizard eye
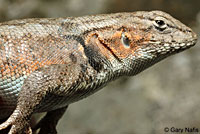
[125,40]
[160,24]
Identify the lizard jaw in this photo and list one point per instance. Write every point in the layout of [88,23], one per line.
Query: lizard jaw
[157,48]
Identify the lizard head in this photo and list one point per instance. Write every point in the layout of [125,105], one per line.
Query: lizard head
[141,39]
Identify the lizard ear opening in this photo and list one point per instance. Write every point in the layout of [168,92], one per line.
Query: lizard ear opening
[125,40]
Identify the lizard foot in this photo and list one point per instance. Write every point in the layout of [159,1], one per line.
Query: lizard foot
[17,125]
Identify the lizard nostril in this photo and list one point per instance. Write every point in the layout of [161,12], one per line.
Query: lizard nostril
[188,31]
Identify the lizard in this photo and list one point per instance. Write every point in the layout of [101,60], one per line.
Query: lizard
[48,63]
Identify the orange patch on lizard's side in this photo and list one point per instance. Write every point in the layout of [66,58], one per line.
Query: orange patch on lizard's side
[24,67]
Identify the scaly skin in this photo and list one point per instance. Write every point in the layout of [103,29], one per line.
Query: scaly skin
[47,64]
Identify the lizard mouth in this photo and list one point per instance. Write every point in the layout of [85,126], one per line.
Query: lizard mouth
[169,47]
[179,46]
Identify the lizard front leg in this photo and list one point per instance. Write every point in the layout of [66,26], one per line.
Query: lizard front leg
[47,124]
[34,91]
[29,97]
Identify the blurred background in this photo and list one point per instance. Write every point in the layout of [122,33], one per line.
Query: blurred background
[165,95]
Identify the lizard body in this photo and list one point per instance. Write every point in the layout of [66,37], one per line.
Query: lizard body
[47,64]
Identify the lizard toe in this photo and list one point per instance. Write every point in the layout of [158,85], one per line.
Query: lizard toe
[17,129]
[17,125]
[7,123]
